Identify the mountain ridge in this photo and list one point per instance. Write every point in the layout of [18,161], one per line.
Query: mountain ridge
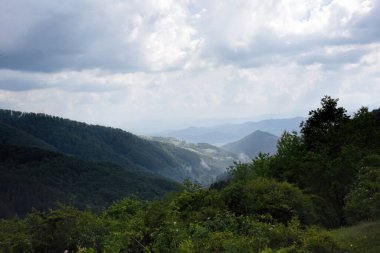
[222,134]
[105,144]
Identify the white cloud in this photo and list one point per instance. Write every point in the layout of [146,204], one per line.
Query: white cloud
[124,62]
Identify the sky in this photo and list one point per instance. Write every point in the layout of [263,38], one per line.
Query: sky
[151,65]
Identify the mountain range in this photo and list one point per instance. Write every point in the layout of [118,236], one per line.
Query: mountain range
[104,144]
[222,134]
[46,159]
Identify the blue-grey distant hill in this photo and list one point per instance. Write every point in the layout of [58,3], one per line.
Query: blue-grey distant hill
[250,146]
[222,134]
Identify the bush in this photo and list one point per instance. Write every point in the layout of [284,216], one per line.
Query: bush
[318,242]
[363,202]
[281,200]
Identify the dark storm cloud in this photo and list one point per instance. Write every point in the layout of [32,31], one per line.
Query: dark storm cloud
[49,46]
[68,38]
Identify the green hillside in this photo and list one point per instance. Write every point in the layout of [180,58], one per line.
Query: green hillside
[106,144]
[36,178]
[12,136]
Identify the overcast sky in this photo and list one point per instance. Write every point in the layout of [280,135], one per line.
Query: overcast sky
[135,64]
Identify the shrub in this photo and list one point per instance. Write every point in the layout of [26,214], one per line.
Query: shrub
[363,202]
[261,196]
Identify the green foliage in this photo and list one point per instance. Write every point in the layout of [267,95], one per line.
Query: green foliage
[363,201]
[323,124]
[261,196]
[320,242]
[31,177]
[159,226]
[259,167]
[14,236]
[325,159]
[55,231]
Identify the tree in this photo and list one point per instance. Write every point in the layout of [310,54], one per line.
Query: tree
[323,124]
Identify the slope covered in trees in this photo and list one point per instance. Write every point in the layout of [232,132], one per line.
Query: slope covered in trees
[12,136]
[105,144]
[36,178]
[326,177]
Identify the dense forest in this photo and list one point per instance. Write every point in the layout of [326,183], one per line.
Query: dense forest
[34,177]
[105,144]
[319,193]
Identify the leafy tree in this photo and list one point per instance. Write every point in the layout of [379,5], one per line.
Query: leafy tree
[286,163]
[323,125]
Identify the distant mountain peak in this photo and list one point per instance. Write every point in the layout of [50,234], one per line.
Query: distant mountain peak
[221,134]
[251,145]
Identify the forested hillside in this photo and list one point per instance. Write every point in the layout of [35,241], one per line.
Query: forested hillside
[328,177]
[104,144]
[37,178]
[12,136]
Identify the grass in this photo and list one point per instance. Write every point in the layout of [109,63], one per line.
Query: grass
[361,238]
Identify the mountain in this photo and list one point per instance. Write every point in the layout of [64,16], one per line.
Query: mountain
[36,178]
[250,146]
[105,144]
[222,134]
[13,136]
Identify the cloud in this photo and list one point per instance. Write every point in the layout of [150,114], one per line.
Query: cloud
[257,33]
[124,62]
[114,35]
[367,29]
[50,36]
[334,56]
[71,81]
